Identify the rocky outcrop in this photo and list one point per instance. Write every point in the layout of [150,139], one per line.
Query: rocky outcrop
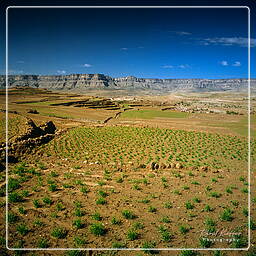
[100,81]
[34,136]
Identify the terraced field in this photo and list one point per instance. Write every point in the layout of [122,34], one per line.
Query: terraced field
[143,146]
[131,187]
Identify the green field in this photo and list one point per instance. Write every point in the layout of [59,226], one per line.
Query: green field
[153,113]
[144,145]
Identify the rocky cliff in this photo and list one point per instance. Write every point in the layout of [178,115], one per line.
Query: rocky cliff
[100,81]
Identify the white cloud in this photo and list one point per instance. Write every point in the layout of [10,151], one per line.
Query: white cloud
[229,41]
[183,33]
[61,72]
[224,63]
[236,64]
[124,49]
[87,65]
[184,66]
[167,66]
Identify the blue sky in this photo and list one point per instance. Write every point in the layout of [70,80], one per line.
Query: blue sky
[148,43]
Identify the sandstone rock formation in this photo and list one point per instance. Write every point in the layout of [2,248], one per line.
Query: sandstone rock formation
[100,81]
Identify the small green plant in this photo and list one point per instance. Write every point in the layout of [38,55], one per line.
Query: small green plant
[245,212]
[227,215]
[78,204]
[24,193]
[196,200]
[186,187]
[101,183]
[165,219]
[229,190]
[210,225]
[52,187]
[241,178]
[84,189]
[214,180]
[79,241]
[22,210]
[234,203]
[208,208]
[78,212]
[152,209]
[53,174]
[59,233]
[38,222]
[195,182]
[43,243]
[96,216]
[101,200]
[119,180]
[118,245]
[215,194]
[128,214]
[60,207]
[136,187]
[13,184]
[78,223]
[177,192]
[36,203]
[189,205]
[132,235]
[12,217]
[138,225]
[102,193]
[166,236]
[144,201]
[239,242]
[168,205]
[15,197]
[183,229]
[22,229]
[244,190]
[47,200]
[115,221]
[97,229]
[190,174]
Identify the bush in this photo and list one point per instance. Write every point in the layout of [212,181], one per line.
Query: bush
[183,229]
[128,214]
[52,187]
[12,217]
[43,243]
[132,235]
[13,184]
[47,200]
[152,209]
[227,215]
[22,229]
[78,223]
[215,194]
[97,229]
[101,200]
[189,205]
[59,233]
[96,216]
[115,221]
[36,203]
[15,197]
